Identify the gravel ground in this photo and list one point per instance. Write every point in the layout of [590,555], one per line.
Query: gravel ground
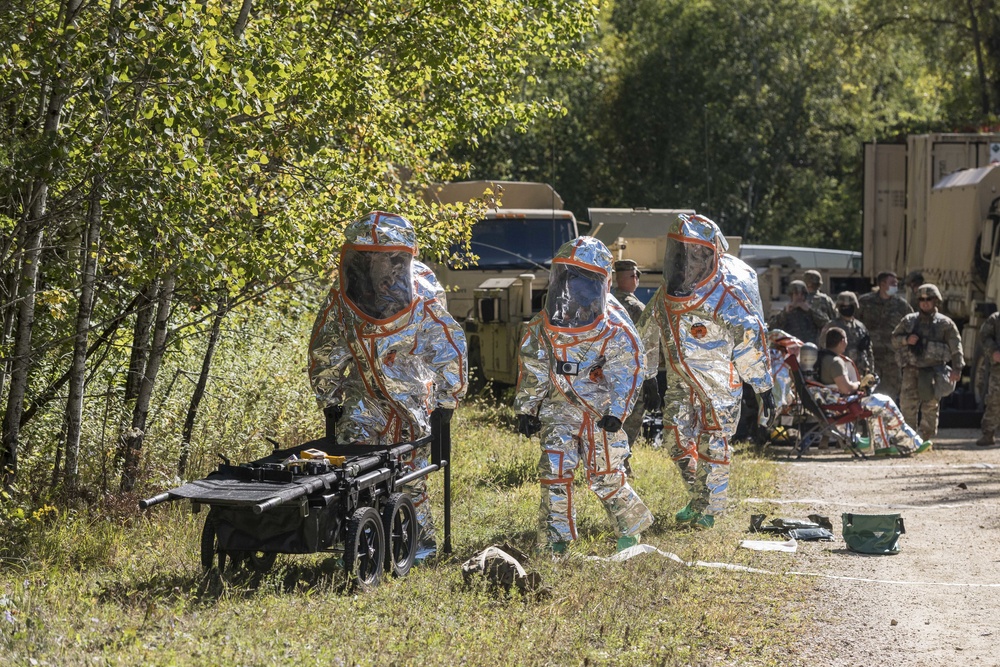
[937,602]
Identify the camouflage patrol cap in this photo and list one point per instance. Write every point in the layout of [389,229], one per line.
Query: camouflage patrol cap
[847,299]
[797,286]
[627,265]
[813,277]
[929,290]
[914,278]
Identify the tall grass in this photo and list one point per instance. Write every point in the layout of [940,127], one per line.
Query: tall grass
[127,588]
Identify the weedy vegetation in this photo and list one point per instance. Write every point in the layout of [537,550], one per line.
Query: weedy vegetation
[108,584]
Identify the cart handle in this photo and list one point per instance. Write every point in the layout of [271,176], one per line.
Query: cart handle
[155,500]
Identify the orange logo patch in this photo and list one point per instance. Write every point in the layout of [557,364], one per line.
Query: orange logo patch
[390,359]
[699,331]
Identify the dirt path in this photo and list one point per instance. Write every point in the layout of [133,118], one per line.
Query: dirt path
[948,610]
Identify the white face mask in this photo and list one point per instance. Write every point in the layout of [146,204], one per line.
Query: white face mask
[891,290]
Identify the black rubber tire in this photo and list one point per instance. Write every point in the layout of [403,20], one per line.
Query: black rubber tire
[364,549]
[208,544]
[261,562]
[399,521]
[211,554]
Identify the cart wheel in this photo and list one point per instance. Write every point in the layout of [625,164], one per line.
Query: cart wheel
[210,547]
[261,561]
[364,549]
[399,520]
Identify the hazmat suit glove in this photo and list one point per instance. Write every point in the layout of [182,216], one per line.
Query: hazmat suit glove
[528,425]
[610,423]
[765,409]
[444,414]
[332,413]
[651,399]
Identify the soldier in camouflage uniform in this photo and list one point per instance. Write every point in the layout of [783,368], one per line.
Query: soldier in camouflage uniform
[859,342]
[989,336]
[626,280]
[798,318]
[818,299]
[913,281]
[926,340]
[880,312]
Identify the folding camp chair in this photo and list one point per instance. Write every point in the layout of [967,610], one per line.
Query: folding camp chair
[835,421]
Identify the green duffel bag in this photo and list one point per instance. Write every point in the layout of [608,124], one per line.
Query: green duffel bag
[873,533]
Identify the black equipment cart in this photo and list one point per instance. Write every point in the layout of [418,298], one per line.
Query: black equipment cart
[317,496]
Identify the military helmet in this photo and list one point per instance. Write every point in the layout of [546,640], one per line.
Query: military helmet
[814,277]
[847,299]
[929,290]
[797,286]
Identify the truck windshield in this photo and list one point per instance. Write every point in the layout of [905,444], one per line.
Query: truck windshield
[517,243]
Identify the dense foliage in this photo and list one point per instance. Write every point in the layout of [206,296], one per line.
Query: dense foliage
[167,165]
[754,112]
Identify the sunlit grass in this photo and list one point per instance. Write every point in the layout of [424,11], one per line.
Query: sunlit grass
[129,590]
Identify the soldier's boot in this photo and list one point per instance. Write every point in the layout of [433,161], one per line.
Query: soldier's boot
[987,439]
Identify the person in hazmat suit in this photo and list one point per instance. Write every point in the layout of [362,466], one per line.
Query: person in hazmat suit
[384,353]
[581,370]
[708,318]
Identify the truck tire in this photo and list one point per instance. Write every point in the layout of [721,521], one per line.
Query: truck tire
[364,549]
[399,520]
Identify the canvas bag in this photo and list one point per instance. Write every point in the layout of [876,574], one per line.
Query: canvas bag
[873,533]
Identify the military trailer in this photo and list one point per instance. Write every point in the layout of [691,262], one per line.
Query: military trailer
[931,205]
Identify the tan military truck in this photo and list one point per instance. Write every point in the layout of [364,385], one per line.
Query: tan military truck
[931,204]
[503,287]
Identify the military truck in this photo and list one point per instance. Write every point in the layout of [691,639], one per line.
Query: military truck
[494,295]
[931,204]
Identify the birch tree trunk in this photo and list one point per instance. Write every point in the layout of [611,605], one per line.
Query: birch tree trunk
[199,390]
[78,367]
[34,233]
[133,439]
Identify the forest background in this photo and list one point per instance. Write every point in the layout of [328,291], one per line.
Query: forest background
[175,176]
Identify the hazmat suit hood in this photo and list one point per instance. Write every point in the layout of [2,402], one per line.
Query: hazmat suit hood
[691,259]
[376,265]
[578,284]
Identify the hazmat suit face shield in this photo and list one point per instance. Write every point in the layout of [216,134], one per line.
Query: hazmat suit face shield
[378,283]
[688,264]
[576,296]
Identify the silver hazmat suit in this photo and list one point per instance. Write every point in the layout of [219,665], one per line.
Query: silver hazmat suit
[581,364]
[385,349]
[708,316]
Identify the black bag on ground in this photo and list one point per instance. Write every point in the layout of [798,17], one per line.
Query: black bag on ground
[873,533]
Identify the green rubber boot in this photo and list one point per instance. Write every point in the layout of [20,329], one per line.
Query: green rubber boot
[559,547]
[627,541]
[685,515]
[887,451]
[926,447]
[703,522]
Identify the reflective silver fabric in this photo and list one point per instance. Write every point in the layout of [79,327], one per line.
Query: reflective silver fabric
[713,340]
[389,373]
[570,378]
